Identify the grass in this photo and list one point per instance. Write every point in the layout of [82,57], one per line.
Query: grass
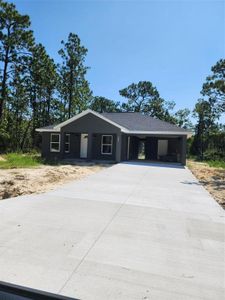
[211,163]
[216,163]
[19,160]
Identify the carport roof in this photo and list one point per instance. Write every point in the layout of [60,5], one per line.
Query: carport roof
[128,122]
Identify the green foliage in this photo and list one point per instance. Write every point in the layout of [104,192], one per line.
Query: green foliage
[205,125]
[15,41]
[102,104]
[140,96]
[213,154]
[144,97]
[73,87]
[40,83]
[216,163]
[33,92]
[214,87]
[209,139]
[182,118]
[19,160]
[4,137]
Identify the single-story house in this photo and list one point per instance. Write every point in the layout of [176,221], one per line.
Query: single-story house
[114,137]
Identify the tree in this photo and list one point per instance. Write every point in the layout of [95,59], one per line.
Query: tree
[15,41]
[102,104]
[214,87]
[49,85]
[40,81]
[73,87]
[17,110]
[139,96]
[205,123]
[144,97]
[182,118]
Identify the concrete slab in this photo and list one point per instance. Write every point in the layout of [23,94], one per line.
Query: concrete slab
[132,231]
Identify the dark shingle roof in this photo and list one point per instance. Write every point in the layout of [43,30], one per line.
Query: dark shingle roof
[135,121]
[129,121]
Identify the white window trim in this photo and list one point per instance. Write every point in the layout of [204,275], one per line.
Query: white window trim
[111,144]
[51,149]
[67,143]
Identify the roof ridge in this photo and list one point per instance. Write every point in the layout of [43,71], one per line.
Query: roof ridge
[121,112]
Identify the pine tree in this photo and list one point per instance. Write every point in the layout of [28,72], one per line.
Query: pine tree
[73,87]
[15,41]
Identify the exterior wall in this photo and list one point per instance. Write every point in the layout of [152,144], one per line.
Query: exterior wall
[95,128]
[124,145]
[133,147]
[45,146]
[96,148]
[90,124]
[74,146]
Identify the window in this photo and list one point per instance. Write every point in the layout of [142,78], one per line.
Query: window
[107,143]
[67,143]
[55,142]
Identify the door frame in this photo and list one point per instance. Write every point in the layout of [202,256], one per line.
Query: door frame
[83,136]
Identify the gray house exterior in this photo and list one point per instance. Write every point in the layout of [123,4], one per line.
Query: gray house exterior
[114,137]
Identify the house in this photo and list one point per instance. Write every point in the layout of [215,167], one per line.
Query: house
[114,137]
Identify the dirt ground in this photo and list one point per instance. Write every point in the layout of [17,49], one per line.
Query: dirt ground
[16,182]
[213,179]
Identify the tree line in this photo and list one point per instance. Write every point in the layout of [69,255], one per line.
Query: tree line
[35,91]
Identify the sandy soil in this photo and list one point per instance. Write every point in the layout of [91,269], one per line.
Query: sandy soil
[213,179]
[16,182]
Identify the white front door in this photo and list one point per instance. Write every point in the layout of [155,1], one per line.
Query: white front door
[83,145]
[162,147]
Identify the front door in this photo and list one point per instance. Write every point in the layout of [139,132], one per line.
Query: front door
[83,145]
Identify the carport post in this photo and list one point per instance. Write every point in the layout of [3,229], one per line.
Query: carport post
[89,151]
[183,149]
[118,147]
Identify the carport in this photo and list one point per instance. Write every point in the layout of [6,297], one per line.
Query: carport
[165,148]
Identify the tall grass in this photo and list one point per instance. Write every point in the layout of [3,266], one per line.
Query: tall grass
[19,160]
[216,163]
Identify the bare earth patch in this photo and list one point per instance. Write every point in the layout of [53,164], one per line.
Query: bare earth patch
[213,179]
[16,182]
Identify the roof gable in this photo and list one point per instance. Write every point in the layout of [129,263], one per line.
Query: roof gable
[58,127]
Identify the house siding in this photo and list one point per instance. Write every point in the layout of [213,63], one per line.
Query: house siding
[74,146]
[124,145]
[96,148]
[89,124]
[45,145]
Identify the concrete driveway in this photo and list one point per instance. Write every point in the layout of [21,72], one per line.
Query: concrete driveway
[132,231]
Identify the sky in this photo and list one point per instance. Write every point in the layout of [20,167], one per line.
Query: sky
[173,44]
